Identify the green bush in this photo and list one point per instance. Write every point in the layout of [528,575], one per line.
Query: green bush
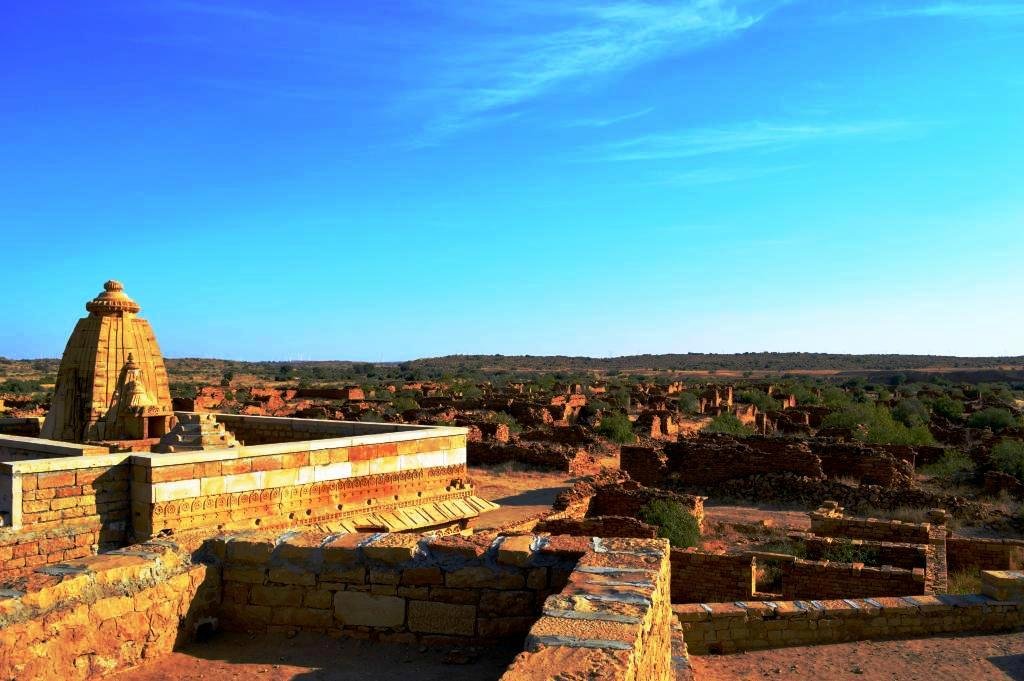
[910,412]
[617,427]
[845,551]
[761,400]
[728,424]
[508,420]
[875,424]
[674,523]
[688,403]
[1008,457]
[401,404]
[948,407]
[953,464]
[20,387]
[993,417]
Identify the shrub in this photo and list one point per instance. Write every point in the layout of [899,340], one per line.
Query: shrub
[728,424]
[674,523]
[401,404]
[617,428]
[688,403]
[875,424]
[953,464]
[845,551]
[948,407]
[20,387]
[1008,457]
[910,412]
[964,582]
[993,417]
[507,419]
[761,400]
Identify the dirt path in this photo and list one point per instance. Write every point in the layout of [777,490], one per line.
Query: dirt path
[521,494]
[751,515]
[960,658]
[311,657]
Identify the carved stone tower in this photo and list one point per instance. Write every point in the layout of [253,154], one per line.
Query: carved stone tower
[112,383]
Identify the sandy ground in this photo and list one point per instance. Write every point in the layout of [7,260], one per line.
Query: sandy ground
[521,494]
[239,657]
[962,658]
[795,521]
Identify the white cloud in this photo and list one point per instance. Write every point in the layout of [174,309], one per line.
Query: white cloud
[579,41]
[696,142]
[965,10]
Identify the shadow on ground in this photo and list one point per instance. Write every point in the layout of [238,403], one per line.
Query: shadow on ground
[1011,665]
[313,657]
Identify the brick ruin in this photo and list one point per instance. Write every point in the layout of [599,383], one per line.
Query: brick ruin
[140,528]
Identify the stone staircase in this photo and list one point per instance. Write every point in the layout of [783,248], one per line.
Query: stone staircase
[195,432]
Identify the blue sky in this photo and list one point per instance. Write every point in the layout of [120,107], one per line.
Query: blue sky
[383,181]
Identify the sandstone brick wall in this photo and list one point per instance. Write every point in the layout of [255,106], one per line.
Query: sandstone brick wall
[29,426]
[698,576]
[568,458]
[906,556]
[24,448]
[601,526]
[259,430]
[22,552]
[823,580]
[396,587]
[735,627]
[864,464]
[101,614]
[646,465]
[966,553]
[367,480]
[612,621]
[826,524]
[708,461]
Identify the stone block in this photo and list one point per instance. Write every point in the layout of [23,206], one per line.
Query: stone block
[442,618]
[356,608]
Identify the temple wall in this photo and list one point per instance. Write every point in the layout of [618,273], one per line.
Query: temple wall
[22,448]
[735,627]
[309,482]
[261,430]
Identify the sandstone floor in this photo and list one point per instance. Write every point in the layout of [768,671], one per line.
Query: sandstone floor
[964,658]
[310,657]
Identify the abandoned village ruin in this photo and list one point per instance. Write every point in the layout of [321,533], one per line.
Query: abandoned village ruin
[131,527]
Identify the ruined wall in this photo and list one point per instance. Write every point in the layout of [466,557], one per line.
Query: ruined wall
[29,426]
[102,614]
[399,587]
[602,526]
[966,553]
[711,460]
[864,464]
[826,524]
[906,556]
[560,457]
[698,576]
[823,580]
[735,627]
[646,465]
[596,627]
[393,481]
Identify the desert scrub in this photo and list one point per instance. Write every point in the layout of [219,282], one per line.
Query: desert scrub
[953,465]
[965,582]
[674,523]
[1008,457]
[845,551]
[617,428]
[507,419]
[728,424]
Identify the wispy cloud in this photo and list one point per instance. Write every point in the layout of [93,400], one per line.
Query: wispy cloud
[578,41]
[696,142]
[964,10]
[707,176]
[610,120]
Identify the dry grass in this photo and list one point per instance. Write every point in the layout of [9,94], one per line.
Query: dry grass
[965,582]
